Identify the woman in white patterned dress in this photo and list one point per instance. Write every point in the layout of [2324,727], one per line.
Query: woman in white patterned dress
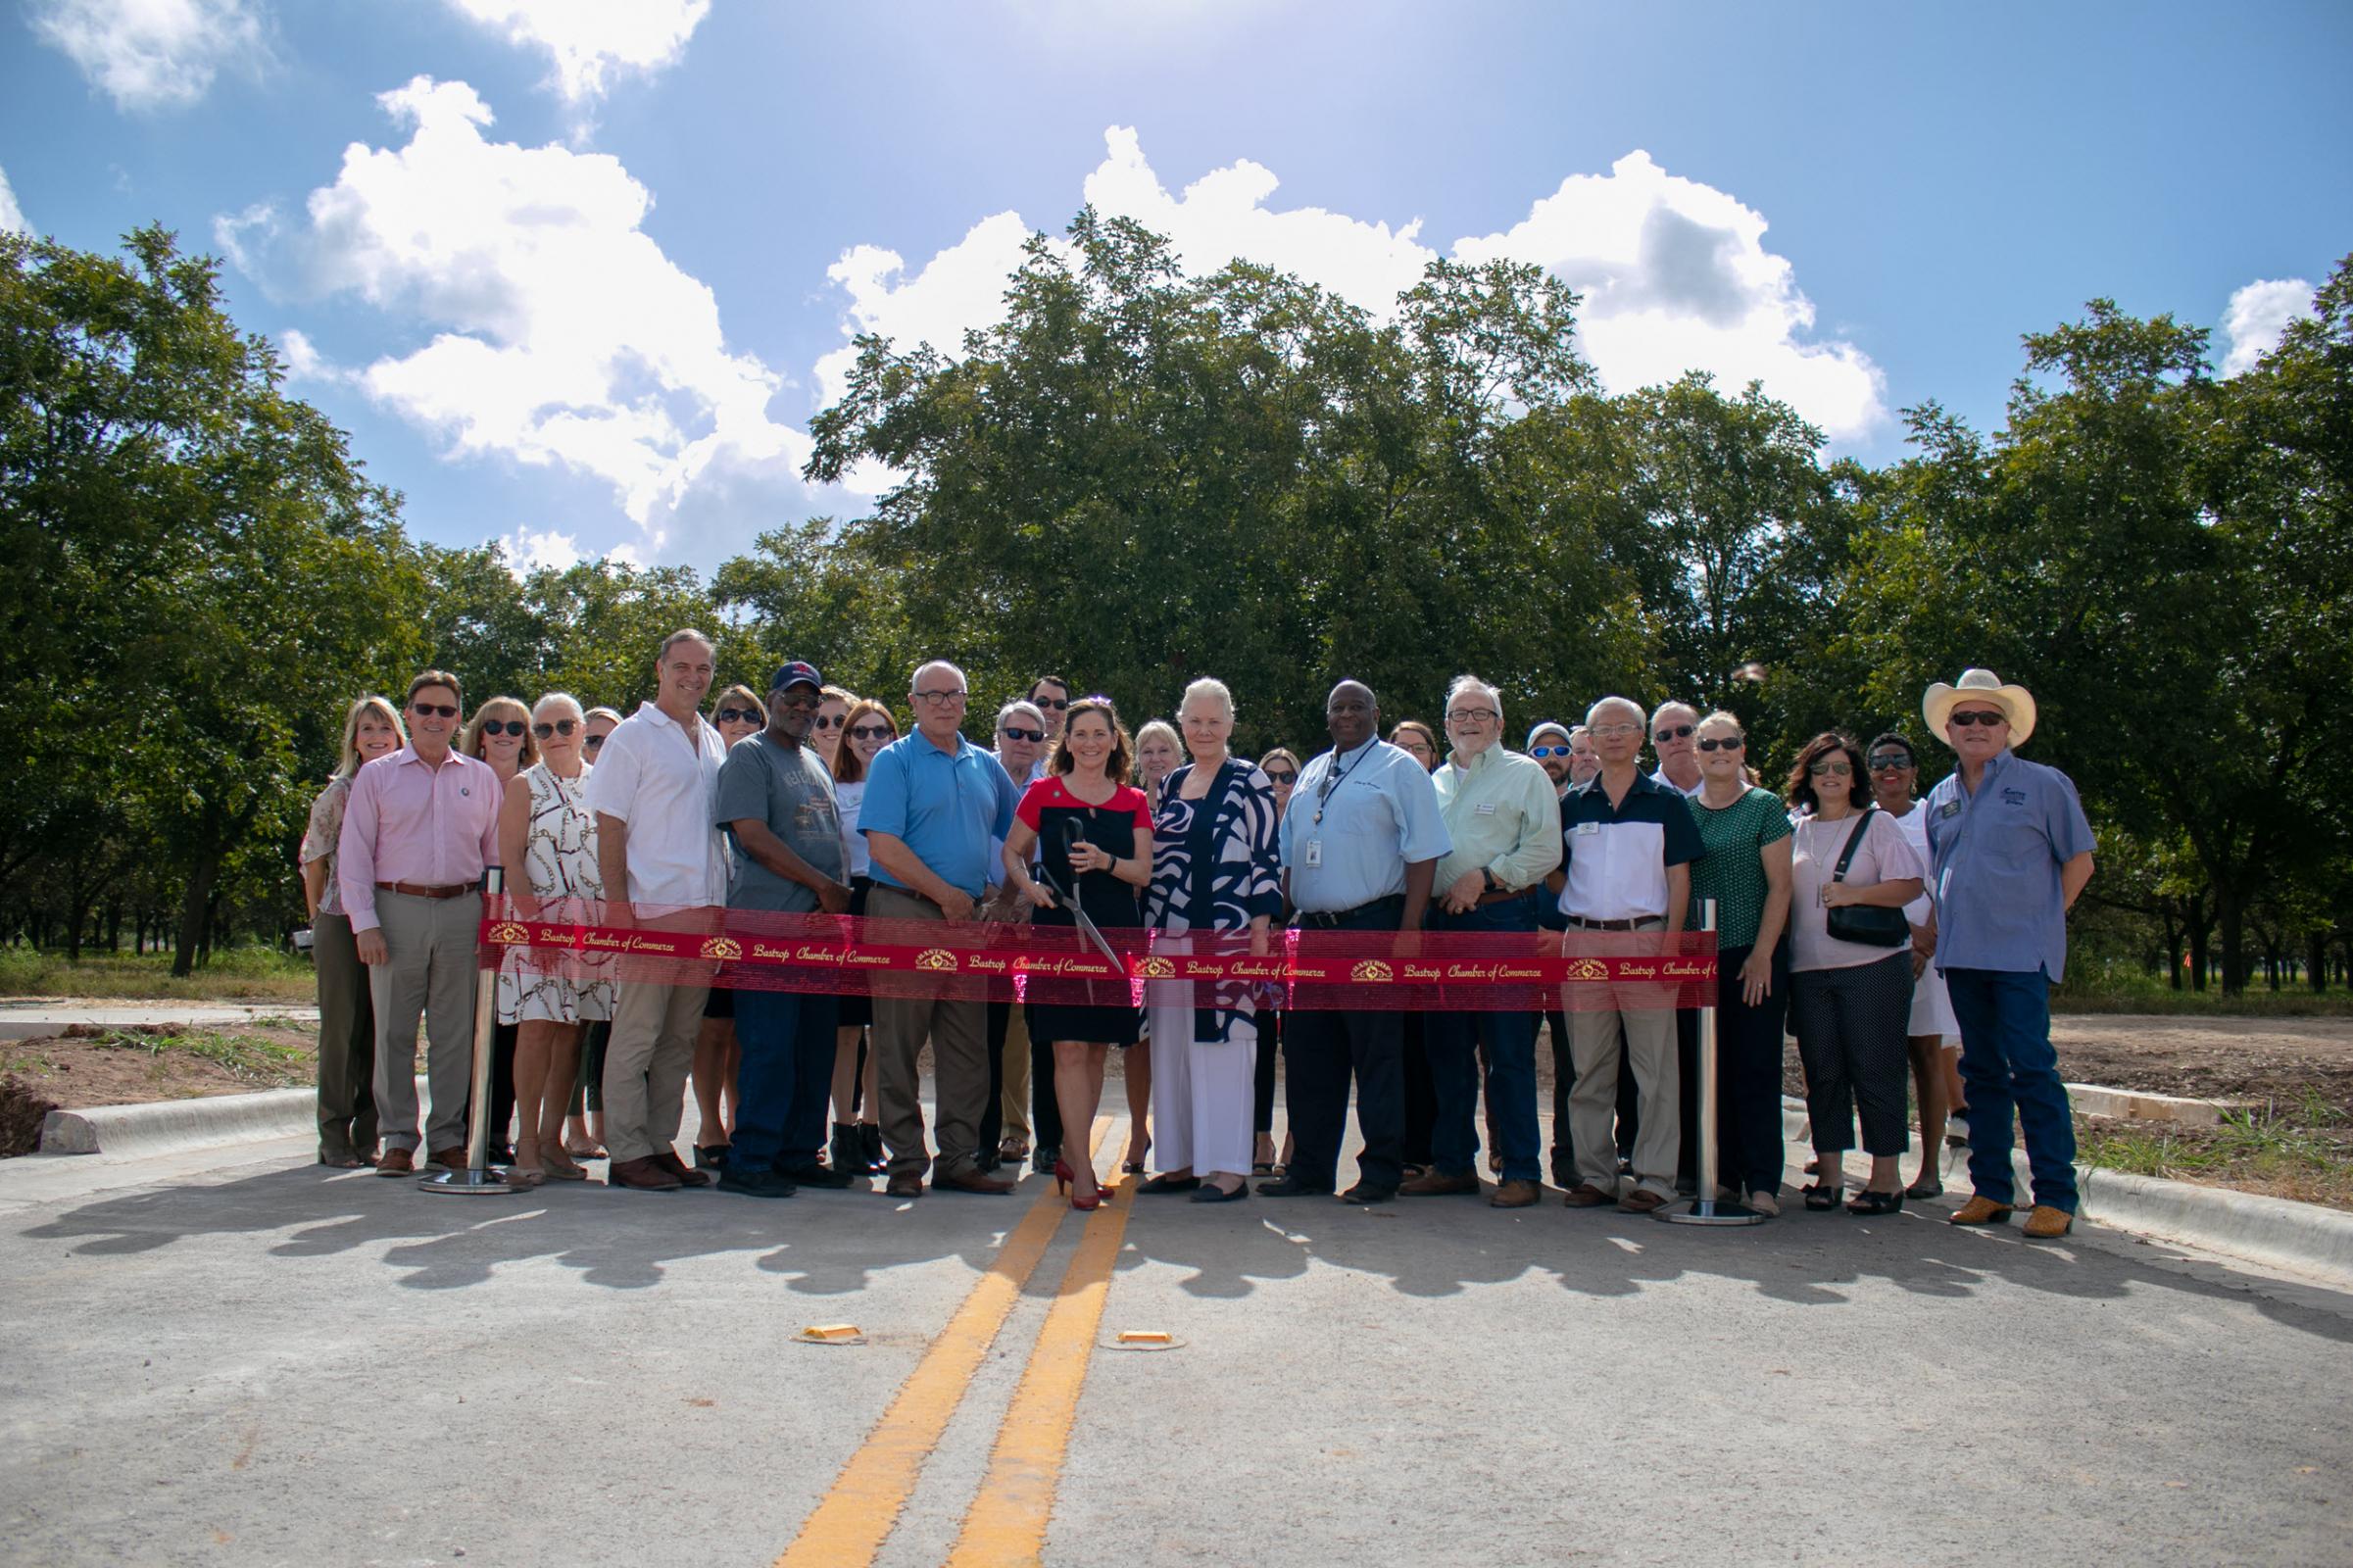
[548,843]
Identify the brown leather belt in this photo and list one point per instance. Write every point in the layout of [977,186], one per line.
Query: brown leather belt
[420,890]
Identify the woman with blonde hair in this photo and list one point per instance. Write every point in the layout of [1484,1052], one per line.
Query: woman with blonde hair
[347,1119]
[500,734]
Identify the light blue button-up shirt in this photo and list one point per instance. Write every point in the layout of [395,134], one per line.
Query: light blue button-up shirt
[1379,811]
[1997,854]
[945,807]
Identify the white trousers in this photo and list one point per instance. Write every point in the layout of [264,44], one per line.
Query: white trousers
[1200,1092]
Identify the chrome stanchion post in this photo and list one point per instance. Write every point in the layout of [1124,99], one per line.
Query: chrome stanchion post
[477,1178]
[1704,1209]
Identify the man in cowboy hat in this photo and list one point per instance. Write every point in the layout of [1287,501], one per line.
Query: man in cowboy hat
[2011,851]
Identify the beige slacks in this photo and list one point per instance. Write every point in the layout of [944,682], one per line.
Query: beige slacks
[959,1031]
[430,970]
[651,1047]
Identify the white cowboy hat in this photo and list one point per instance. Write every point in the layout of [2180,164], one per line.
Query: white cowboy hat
[1980,685]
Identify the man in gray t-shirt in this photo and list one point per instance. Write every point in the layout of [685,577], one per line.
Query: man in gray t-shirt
[776,804]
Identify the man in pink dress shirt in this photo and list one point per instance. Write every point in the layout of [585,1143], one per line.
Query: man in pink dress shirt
[422,825]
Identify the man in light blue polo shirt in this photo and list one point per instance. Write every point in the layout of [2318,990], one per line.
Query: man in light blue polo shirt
[2011,851]
[933,802]
[1361,842]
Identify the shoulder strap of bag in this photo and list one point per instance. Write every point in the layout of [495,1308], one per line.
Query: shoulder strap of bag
[1854,840]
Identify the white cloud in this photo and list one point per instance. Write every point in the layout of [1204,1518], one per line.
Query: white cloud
[2257,316]
[1676,277]
[592,41]
[563,335]
[12,216]
[527,551]
[1675,274]
[152,54]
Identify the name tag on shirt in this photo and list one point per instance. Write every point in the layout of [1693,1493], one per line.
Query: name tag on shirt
[1586,830]
[1949,808]
[1311,856]
[1484,808]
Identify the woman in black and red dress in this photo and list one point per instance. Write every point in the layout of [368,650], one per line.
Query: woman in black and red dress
[1089,829]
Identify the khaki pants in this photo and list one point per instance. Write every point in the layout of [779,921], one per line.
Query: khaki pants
[958,1032]
[432,971]
[646,1061]
[1649,1036]
[1013,1103]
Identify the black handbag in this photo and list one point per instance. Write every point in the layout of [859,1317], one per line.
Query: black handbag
[1870,925]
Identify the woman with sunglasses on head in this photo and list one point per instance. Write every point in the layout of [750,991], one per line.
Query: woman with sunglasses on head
[1282,769]
[737,714]
[347,1120]
[1851,968]
[866,728]
[500,734]
[584,1126]
[1746,871]
[1933,1038]
[548,841]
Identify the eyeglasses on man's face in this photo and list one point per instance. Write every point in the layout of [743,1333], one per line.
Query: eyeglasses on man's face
[956,693]
[1977,715]
[1472,715]
[1610,732]
[1673,732]
[434,709]
[1015,733]
[1059,705]
[1542,751]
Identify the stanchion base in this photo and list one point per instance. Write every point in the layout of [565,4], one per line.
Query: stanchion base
[1704,1211]
[466,1183]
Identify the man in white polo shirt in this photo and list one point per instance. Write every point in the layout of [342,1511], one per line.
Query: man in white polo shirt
[652,790]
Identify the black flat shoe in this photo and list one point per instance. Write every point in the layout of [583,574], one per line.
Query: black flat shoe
[1367,1193]
[1868,1202]
[1292,1187]
[1044,1158]
[1167,1184]
[1211,1192]
[711,1157]
[1820,1198]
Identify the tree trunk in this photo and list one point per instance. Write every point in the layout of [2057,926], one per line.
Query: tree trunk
[113,926]
[2173,945]
[2230,914]
[194,924]
[2199,926]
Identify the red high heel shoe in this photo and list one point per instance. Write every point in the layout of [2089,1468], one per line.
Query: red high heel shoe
[1063,1176]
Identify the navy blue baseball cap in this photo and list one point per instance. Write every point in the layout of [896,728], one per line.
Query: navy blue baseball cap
[798,673]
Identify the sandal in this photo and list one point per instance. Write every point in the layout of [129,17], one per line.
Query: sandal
[1821,1196]
[1014,1149]
[1263,1167]
[559,1166]
[1926,1187]
[525,1176]
[1868,1202]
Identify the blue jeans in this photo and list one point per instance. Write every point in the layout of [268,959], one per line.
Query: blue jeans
[786,1078]
[2007,1064]
[1453,1039]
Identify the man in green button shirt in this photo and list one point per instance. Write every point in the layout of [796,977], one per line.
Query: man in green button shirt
[1503,819]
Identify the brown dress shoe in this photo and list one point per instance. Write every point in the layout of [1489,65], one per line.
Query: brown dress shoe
[453,1158]
[1642,1200]
[1515,1193]
[2047,1224]
[645,1174]
[1585,1195]
[687,1175]
[396,1162]
[972,1181]
[1981,1210]
[1435,1182]
[903,1187]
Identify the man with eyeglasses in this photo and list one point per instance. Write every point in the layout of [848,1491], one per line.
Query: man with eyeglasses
[1360,842]
[934,802]
[421,827]
[655,790]
[2011,851]
[1503,820]
[776,806]
[1627,842]
[1671,730]
[1548,744]
[1023,733]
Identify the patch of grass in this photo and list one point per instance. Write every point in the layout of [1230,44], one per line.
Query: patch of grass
[2303,1153]
[252,973]
[248,1057]
[2095,987]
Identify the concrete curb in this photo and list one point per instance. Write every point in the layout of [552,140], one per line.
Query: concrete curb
[171,1126]
[2304,1238]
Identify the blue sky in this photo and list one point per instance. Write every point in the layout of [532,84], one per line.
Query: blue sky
[576,276]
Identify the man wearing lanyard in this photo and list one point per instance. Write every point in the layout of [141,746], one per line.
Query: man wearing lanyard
[1361,842]
[1628,843]
[2011,851]
[1503,819]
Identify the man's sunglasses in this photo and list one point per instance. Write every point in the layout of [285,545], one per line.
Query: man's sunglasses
[1548,750]
[740,715]
[505,726]
[432,710]
[1730,743]
[1284,776]
[1673,733]
[562,727]
[1058,704]
[1010,734]
[872,732]
[1975,715]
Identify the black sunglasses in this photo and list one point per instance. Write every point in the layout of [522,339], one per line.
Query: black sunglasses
[562,727]
[1057,704]
[873,732]
[1013,734]
[1975,715]
[830,721]
[740,715]
[593,742]
[434,709]
[1287,776]
[1731,743]
[505,726]
[1891,762]
[1674,733]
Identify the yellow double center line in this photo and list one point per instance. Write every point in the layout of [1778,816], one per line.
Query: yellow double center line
[851,1522]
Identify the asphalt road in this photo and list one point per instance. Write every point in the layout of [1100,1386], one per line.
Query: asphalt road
[247,1360]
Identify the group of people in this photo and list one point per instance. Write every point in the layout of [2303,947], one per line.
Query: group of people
[1874,924]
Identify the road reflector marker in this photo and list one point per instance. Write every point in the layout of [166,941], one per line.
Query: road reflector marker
[832,1334]
[1144,1336]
